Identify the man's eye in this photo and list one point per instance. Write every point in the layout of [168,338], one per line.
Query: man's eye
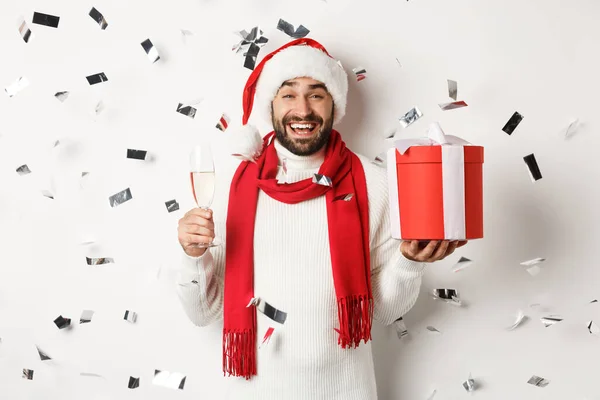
[287,96]
[317,96]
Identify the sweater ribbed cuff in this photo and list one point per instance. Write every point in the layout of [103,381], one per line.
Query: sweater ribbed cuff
[191,267]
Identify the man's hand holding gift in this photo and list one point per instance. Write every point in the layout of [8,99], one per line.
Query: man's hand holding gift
[434,250]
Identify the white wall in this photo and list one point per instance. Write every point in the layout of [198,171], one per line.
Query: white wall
[538,57]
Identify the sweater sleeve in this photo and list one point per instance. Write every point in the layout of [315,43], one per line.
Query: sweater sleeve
[200,288]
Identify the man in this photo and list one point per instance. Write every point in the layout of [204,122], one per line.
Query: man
[320,251]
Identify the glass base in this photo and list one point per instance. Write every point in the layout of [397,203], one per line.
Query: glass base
[215,243]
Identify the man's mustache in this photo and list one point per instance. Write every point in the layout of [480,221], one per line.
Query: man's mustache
[308,118]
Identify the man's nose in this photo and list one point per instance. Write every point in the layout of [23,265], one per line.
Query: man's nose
[303,107]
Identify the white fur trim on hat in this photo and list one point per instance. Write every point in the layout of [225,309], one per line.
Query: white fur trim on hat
[245,143]
[297,62]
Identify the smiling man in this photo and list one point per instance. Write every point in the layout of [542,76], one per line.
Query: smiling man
[320,252]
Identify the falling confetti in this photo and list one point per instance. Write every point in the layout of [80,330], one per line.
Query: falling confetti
[551,320]
[453,105]
[512,123]
[452,89]
[410,117]
[172,205]
[133,383]
[463,263]
[322,180]
[520,318]
[136,154]
[185,34]
[62,322]
[186,110]
[289,30]
[61,96]
[401,329]
[250,44]
[96,78]
[151,51]
[23,170]
[45,19]
[43,355]
[344,197]
[448,295]
[99,18]
[120,198]
[360,73]
[86,316]
[268,310]
[469,384]
[28,374]
[533,168]
[130,316]
[47,193]
[99,108]
[593,328]
[99,261]
[537,381]
[24,30]
[15,87]
[223,123]
[572,128]
[268,335]
[432,329]
[533,267]
[171,380]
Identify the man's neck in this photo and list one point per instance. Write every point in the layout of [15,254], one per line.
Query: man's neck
[295,161]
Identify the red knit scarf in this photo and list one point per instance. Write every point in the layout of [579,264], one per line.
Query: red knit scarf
[348,223]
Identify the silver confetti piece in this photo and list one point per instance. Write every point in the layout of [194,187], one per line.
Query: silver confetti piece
[185,34]
[453,105]
[593,328]
[398,62]
[62,322]
[537,381]
[171,380]
[47,193]
[520,318]
[401,329]
[534,261]
[572,128]
[360,73]
[432,329]
[99,261]
[91,375]
[469,384]
[96,78]
[223,123]
[381,159]
[99,18]
[532,167]
[45,19]
[268,310]
[512,123]
[99,108]
[532,266]
[134,383]
[289,30]
[120,198]
[452,89]
[551,320]
[186,110]
[130,316]
[150,50]
[448,295]
[594,301]
[61,96]
[344,197]
[136,154]
[250,44]
[86,316]
[24,30]
[172,205]
[322,180]
[432,395]
[23,170]
[15,87]
[463,263]
[28,374]
[43,355]
[410,117]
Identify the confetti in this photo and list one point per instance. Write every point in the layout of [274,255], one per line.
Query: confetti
[380,159]
[344,197]
[62,322]
[537,381]
[171,380]
[551,320]
[322,180]
[96,78]
[130,316]
[48,194]
[399,63]
[463,263]
[91,375]
[469,384]
[133,383]
[24,30]
[572,128]
[99,18]
[15,87]
[150,50]
[401,329]
[99,108]
[452,106]
[250,44]
[61,96]
[593,301]
[268,310]
[172,205]
[86,316]
[99,261]
[512,123]
[593,328]
[448,295]
[520,318]
[186,110]
[410,117]
[43,355]
[289,29]
[432,329]
[452,89]
[185,34]
[534,261]
[136,154]
[360,73]
[28,374]
[268,335]
[532,166]
[23,170]
[532,266]
[223,123]
[120,198]
[45,19]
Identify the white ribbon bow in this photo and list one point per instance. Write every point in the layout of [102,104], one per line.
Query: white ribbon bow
[435,136]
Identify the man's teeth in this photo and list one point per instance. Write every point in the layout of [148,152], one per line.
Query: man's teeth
[302,126]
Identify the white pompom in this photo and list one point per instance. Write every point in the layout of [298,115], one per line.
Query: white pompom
[245,142]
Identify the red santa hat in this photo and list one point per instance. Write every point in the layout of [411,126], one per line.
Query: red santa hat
[299,58]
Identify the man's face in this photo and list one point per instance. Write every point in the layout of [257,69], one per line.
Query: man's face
[302,115]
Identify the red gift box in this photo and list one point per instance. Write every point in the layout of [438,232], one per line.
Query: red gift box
[436,191]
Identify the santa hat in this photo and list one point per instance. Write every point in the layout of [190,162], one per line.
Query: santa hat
[299,58]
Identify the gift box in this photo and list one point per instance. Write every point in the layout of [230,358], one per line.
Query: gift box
[436,188]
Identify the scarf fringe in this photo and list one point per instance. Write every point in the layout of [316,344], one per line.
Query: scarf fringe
[239,354]
[355,314]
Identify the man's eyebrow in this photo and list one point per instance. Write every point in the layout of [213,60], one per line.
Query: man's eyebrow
[311,87]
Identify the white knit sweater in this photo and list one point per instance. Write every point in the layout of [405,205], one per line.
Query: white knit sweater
[293,273]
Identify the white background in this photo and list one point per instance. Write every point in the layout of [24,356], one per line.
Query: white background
[538,57]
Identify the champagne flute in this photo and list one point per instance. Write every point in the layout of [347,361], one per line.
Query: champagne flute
[202,177]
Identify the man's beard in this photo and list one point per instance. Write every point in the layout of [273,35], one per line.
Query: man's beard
[303,147]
